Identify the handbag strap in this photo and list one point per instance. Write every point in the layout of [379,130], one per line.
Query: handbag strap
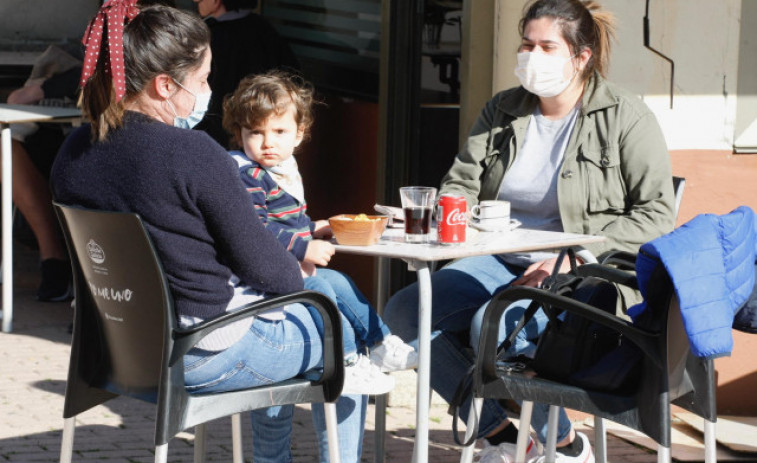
[464,389]
[556,283]
[527,316]
[561,283]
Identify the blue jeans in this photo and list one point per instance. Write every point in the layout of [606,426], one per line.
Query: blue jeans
[460,292]
[365,322]
[273,426]
[272,351]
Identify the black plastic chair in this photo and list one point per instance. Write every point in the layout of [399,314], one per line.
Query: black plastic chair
[670,373]
[679,183]
[127,341]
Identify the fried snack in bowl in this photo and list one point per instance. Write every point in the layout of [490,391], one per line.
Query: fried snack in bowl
[358,229]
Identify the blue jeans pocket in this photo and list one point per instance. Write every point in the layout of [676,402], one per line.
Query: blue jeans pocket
[219,372]
[196,358]
[217,384]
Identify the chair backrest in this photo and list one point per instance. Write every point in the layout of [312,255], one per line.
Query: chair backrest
[679,183]
[690,379]
[123,308]
[126,340]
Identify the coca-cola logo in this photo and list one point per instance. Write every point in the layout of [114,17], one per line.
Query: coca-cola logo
[455,217]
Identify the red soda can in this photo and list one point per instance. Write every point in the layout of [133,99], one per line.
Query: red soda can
[451,218]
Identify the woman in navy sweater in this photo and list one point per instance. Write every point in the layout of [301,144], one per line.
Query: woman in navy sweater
[137,156]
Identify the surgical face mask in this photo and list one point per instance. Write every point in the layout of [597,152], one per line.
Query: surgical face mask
[543,74]
[202,100]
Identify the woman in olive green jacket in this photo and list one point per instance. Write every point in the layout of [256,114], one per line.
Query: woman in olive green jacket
[571,152]
[615,179]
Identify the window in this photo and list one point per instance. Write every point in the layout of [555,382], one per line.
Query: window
[336,41]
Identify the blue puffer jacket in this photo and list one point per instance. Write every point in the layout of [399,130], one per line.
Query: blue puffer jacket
[711,261]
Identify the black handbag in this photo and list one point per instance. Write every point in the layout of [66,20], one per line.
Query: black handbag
[578,351]
[571,349]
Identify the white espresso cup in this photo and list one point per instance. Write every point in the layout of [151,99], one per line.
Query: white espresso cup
[492,211]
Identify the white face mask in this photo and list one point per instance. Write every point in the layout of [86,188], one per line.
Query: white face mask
[543,74]
[202,100]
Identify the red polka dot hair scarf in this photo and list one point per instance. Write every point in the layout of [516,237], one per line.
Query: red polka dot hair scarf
[107,29]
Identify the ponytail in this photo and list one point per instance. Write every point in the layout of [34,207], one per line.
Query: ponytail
[604,33]
[98,104]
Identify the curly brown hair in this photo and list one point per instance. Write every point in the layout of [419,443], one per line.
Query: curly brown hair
[261,96]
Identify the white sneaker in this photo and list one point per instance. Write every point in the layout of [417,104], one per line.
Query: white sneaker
[505,452]
[364,378]
[394,355]
[586,455]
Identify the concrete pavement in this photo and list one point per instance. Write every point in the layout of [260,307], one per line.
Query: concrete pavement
[33,371]
[34,364]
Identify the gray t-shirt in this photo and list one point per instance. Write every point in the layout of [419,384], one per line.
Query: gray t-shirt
[531,182]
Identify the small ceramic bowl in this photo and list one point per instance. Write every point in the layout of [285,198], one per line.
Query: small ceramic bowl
[351,232]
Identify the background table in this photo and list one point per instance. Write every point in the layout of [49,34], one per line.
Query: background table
[11,114]
[420,258]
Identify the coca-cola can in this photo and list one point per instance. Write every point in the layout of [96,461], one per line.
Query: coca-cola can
[451,218]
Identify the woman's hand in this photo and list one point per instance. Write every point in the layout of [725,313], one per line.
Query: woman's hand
[319,252]
[307,269]
[537,272]
[322,229]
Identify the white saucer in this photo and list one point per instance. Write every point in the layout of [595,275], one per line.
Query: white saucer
[485,226]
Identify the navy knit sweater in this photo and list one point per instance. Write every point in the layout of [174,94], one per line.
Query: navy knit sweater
[187,190]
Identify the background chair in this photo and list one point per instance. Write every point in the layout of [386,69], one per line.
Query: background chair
[679,183]
[669,371]
[127,341]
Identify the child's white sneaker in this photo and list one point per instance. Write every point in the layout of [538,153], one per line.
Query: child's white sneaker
[586,455]
[364,378]
[505,452]
[394,355]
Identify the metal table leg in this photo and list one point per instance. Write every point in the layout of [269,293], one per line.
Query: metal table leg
[382,291]
[423,396]
[7,221]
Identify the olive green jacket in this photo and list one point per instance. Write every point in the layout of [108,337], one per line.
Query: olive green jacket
[615,179]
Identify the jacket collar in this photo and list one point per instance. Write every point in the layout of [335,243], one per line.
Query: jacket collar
[518,103]
[598,95]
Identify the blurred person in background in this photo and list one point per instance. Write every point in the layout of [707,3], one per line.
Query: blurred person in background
[243,43]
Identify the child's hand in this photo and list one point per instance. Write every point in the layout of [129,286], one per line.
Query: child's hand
[322,229]
[307,269]
[319,252]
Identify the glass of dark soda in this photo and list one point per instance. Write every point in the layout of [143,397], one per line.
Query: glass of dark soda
[417,204]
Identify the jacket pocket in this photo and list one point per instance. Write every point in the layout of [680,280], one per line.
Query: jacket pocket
[604,181]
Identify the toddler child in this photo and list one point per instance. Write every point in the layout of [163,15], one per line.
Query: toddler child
[268,116]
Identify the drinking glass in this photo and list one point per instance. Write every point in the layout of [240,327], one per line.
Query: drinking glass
[417,204]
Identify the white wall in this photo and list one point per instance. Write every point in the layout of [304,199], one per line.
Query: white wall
[702,38]
[746,107]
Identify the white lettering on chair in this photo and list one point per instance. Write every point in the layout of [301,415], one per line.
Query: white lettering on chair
[119,296]
[115,319]
[111,294]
